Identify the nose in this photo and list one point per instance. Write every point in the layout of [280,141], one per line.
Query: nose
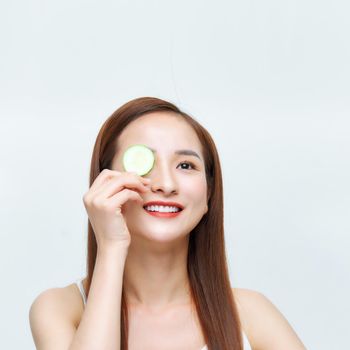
[163,179]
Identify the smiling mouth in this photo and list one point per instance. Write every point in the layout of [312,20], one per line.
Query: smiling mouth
[162,209]
[165,212]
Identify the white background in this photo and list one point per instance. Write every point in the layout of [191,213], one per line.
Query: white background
[270,82]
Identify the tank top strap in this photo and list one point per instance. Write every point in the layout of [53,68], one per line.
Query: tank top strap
[246,344]
[79,283]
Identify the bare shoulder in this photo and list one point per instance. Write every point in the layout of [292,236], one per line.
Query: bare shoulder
[54,315]
[263,323]
[65,300]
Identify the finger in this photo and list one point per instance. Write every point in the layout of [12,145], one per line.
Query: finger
[107,175]
[102,177]
[118,200]
[124,181]
[144,180]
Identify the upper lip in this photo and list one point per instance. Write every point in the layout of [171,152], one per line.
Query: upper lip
[167,204]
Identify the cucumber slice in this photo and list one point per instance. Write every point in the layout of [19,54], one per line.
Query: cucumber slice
[139,159]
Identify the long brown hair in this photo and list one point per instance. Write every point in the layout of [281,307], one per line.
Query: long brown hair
[206,262]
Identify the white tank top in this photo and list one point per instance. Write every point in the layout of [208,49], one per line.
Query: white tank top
[79,283]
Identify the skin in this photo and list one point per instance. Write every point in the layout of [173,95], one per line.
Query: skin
[155,274]
[155,270]
[155,279]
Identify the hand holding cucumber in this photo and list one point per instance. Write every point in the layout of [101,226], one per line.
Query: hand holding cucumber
[110,190]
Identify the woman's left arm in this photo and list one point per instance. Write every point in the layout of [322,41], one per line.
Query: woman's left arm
[265,326]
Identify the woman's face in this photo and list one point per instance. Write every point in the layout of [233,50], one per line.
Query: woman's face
[173,178]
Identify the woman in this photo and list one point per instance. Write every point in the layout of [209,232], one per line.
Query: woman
[156,281]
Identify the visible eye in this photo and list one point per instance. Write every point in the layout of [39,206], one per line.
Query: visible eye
[187,164]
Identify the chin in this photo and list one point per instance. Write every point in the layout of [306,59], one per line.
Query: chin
[160,235]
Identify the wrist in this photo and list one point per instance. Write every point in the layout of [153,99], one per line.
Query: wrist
[116,248]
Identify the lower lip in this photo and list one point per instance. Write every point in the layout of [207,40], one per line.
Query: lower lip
[163,215]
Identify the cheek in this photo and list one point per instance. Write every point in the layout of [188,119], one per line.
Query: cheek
[129,207]
[196,191]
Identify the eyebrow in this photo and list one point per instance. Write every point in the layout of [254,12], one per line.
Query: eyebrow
[184,152]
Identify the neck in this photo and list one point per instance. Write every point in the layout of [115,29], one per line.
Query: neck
[155,274]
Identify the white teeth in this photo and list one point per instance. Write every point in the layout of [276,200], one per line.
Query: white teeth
[162,209]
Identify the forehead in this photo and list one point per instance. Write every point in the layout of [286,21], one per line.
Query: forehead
[160,131]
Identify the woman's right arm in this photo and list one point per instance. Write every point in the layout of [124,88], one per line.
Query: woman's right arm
[52,326]
[100,325]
